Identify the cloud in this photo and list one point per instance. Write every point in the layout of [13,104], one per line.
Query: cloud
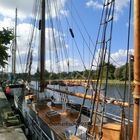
[94,4]
[23,38]
[74,65]
[25,8]
[54,39]
[7,8]
[6,23]
[119,6]
[119,57]
[51,35]
[64,12]
[131,23]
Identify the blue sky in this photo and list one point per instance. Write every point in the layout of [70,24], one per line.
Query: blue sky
[89,11]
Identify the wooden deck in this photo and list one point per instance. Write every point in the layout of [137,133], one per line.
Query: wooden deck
[63,119]
[60,122]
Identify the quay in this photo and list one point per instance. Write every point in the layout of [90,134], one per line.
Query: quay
[10,125]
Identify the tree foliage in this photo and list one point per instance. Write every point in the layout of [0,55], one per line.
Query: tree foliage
[6,36]
[120,73]
[113,73]
[110,68]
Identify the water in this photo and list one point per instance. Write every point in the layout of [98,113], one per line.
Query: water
[114,91]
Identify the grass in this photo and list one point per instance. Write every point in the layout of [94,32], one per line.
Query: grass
[114,82]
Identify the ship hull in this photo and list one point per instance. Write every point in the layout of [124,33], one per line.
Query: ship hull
[37,128]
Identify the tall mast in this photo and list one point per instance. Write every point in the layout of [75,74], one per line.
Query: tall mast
[14,46]
[42,48]
[136,95]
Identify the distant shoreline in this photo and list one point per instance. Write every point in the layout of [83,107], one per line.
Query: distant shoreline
[111,82]
[116,82]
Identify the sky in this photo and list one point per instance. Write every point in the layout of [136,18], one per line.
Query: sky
[82,16]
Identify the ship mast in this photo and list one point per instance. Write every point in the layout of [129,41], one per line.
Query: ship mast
[42,48]
[136,95]
[14,46]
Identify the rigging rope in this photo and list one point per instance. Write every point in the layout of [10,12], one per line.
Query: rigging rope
[36,9]
[61,38]
[112,7]
[78,27]
[126,73]
[53,34]
[104,44]
[89,75]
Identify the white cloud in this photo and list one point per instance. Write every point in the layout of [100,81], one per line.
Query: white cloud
[55,8]
[131,23]
[74,65]
[6,23]
[7,8]
[55,40]
[119,57]
[23,41]
[94,4]
[23,36]
[25,8]
[23,32]
[64,12]
[119,6]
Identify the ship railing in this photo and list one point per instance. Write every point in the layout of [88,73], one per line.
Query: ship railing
[116,117]
[37,125]
[113,117]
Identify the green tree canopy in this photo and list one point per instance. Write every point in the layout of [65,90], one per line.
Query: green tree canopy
[6,36]
[120,73]
[110,68]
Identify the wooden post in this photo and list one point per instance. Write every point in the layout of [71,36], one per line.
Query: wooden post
[136,94]
[42,48]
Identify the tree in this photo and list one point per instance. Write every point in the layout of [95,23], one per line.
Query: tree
[110,68]
[3,55]
[120,73]
[6,36]
[117,73]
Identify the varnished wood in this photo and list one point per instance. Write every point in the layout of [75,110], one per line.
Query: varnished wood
[136,95]
[58,125]
[73,137]
[111,131]
[42,48]
[90,97]
[66,118]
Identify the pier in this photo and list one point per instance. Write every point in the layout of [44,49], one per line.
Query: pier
[10,126]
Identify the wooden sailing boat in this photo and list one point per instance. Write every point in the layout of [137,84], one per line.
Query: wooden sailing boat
[11,82]
[50,121]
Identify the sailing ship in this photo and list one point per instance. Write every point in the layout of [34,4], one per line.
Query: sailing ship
[49,119]
[11,84]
